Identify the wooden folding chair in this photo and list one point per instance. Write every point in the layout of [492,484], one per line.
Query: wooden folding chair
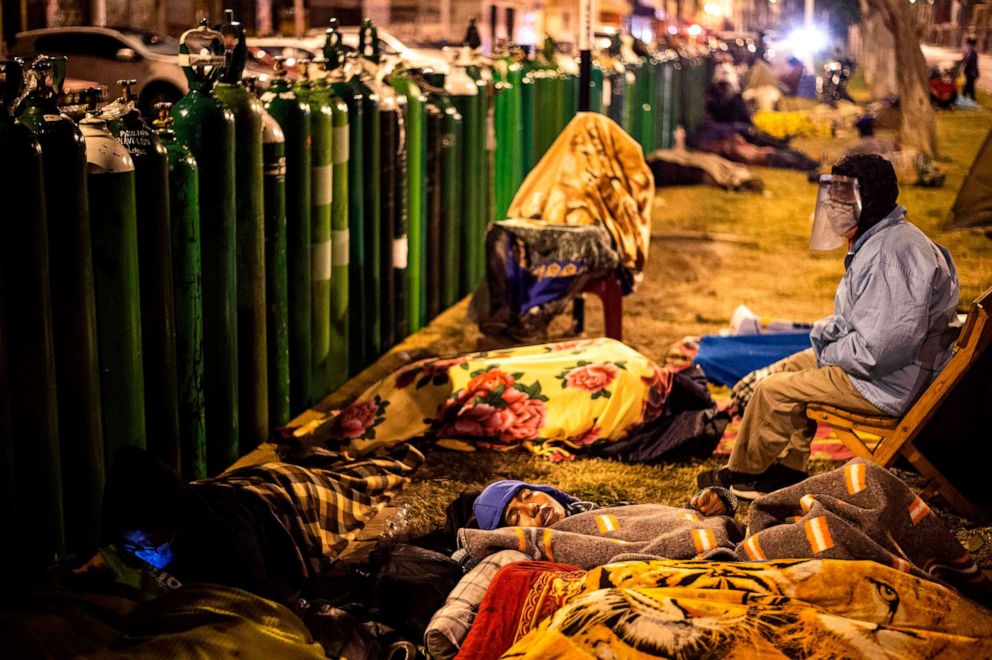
[882,439]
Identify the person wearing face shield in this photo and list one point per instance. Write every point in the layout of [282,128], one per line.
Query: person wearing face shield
[889,336]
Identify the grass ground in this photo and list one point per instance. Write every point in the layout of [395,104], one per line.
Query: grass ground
[710,251]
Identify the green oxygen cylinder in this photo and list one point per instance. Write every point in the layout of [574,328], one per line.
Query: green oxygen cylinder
[342,81]
[465,95]
[664,128]
[318,95]
[151,179]
[646,115]
[293,115]
[449,184]
[483,149]
[70,264]
[206,126]
[596,88]
[432,223]
[393,247]
[276,292]
[528,119]
[372,162]
[416,198]
[508,158]
[114,223]
[336,372]
[239,96]
[187,295]
[26,324]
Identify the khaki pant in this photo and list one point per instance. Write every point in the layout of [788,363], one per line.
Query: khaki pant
[775,426]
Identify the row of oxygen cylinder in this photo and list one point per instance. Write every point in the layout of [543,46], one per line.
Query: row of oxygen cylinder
[650,96]
[189,285]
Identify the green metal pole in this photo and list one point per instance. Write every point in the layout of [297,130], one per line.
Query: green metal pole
[187,295]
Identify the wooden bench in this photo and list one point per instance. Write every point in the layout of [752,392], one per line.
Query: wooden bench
[882,439]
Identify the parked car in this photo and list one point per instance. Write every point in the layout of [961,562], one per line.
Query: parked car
[108,54]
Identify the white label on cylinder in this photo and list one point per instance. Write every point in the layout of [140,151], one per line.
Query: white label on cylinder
[339,146]
[400,251]
[320,261]
[183,59]
[585,24]
[607,93]
[322,182]
[341,242]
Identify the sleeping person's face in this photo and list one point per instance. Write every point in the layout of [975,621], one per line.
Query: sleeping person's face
[532,508]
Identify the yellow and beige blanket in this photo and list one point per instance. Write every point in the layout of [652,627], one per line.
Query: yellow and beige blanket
[778,609]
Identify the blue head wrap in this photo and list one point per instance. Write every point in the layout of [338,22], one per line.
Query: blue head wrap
[490,504]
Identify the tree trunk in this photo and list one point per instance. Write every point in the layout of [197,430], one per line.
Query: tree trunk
[918,129]
[876,54]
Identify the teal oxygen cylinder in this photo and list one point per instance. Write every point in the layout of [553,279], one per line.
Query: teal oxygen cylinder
[293,115]
[186,296]
[276,291]
[151,177]
[114,223]
[342,82]
[77,374]
[449,137]
[34,483]
[372,163]
[416,198]
[336,366]
[206,126]
[470,101]
[318,95]
[239,96]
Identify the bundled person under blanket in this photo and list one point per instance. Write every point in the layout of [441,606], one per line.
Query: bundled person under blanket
[270,529]
[859,511]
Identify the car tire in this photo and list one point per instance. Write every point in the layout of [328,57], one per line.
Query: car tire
[156,92]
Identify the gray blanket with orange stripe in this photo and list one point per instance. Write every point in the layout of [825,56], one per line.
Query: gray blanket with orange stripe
[859,511]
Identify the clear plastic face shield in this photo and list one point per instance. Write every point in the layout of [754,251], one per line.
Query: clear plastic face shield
[838,207]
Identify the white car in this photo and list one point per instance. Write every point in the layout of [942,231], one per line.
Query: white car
[106,55]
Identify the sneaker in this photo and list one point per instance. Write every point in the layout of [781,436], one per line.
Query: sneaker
[774,478]
[723,478]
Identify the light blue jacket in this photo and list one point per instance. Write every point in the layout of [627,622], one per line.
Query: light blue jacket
[889,330]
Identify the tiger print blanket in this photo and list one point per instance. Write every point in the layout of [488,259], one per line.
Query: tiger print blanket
[859,511]
[785,608]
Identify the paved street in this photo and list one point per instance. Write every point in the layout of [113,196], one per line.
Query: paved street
[935,54]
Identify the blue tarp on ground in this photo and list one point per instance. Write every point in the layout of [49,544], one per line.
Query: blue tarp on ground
[725,360]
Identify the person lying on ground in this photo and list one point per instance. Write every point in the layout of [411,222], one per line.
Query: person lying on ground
[890,334]
[512,503]
[859,511]
[269,529]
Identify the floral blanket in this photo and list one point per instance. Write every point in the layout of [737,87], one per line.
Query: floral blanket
[787,608]
[555,400]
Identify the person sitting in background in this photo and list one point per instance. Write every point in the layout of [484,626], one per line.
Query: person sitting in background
[890,334]
[943,89]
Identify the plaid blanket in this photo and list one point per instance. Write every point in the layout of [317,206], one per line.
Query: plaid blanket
[790,608]
[325,497]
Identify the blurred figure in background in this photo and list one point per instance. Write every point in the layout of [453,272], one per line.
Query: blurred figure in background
[969,64]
